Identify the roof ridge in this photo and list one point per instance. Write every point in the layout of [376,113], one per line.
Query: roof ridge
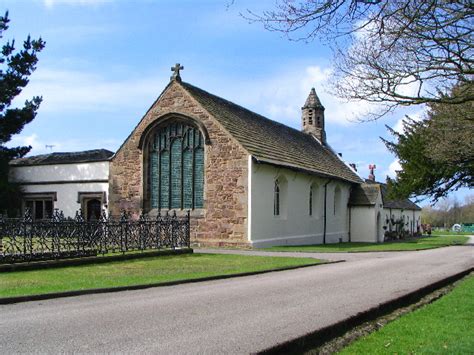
[243,108]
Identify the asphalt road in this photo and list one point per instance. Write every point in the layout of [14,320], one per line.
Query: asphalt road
[239,315]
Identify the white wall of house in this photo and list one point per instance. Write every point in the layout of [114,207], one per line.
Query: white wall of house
[60,172]
[363,224]
[367,223]
[65,180]
[294,225]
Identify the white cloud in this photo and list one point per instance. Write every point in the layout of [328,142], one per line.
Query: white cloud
[417,116]
[52,3]
[75,33]
[393,168]
[43,146]
[281,95]
[64,90]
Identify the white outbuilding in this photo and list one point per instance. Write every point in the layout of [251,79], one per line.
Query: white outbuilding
[64,181]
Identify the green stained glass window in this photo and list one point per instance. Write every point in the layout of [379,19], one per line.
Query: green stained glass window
[199,178]
[176,168]
[188,178]
[154,182]
[176,178]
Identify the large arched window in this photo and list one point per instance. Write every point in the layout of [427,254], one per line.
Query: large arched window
[176,167]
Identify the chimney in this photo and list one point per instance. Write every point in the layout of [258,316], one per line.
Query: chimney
[312,117]
[353,166]
[372,167]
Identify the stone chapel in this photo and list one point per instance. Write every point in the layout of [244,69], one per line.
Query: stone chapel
[247,180]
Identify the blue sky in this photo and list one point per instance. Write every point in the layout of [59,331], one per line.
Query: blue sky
[106,61]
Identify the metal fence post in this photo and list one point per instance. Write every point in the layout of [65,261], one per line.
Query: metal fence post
[2,233]
[188,229]
[174,230]
[123,232]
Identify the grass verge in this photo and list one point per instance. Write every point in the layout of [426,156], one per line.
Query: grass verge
[139,272]
[442,327]
[449,232]
[414,244]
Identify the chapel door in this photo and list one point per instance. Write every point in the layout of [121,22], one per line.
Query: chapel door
[93,207]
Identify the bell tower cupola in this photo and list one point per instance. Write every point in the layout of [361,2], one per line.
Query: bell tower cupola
[312,117]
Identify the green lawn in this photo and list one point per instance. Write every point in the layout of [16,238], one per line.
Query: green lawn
[138,272]
[444,327]
[416,244]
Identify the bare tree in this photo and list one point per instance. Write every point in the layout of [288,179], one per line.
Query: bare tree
[392,53]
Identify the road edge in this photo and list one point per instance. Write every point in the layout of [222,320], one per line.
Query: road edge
[319,337]
[48,296]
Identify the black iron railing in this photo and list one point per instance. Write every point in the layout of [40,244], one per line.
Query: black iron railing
[25,239]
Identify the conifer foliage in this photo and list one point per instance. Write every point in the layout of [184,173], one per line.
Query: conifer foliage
[15,68]
[437,153]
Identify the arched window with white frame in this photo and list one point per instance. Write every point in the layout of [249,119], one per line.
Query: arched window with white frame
[280,187]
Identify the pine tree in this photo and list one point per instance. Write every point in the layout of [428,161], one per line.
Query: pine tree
[437,153]
[15,69]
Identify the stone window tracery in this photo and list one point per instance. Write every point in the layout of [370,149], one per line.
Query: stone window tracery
[176,167]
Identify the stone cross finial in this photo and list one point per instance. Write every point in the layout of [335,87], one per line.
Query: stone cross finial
[176,70]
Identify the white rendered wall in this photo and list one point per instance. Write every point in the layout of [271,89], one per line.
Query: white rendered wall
[60,172]
[364,227]
[66,180]
[294,225]
[363,221]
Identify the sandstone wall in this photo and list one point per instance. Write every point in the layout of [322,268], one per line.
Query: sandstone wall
[223,221]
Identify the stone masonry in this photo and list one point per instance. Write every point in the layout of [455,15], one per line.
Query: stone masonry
[223,220]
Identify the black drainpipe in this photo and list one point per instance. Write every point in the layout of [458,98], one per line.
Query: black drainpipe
[349,207]
[325,209]
[350,210]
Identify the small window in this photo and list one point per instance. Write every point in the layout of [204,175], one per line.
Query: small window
[39,208]
[276,198]
[311,201]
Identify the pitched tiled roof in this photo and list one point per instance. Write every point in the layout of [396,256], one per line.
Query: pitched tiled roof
[364,195]
[404,204]
[272,142]
[87,156]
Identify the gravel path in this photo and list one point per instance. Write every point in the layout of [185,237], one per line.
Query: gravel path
[238,315]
